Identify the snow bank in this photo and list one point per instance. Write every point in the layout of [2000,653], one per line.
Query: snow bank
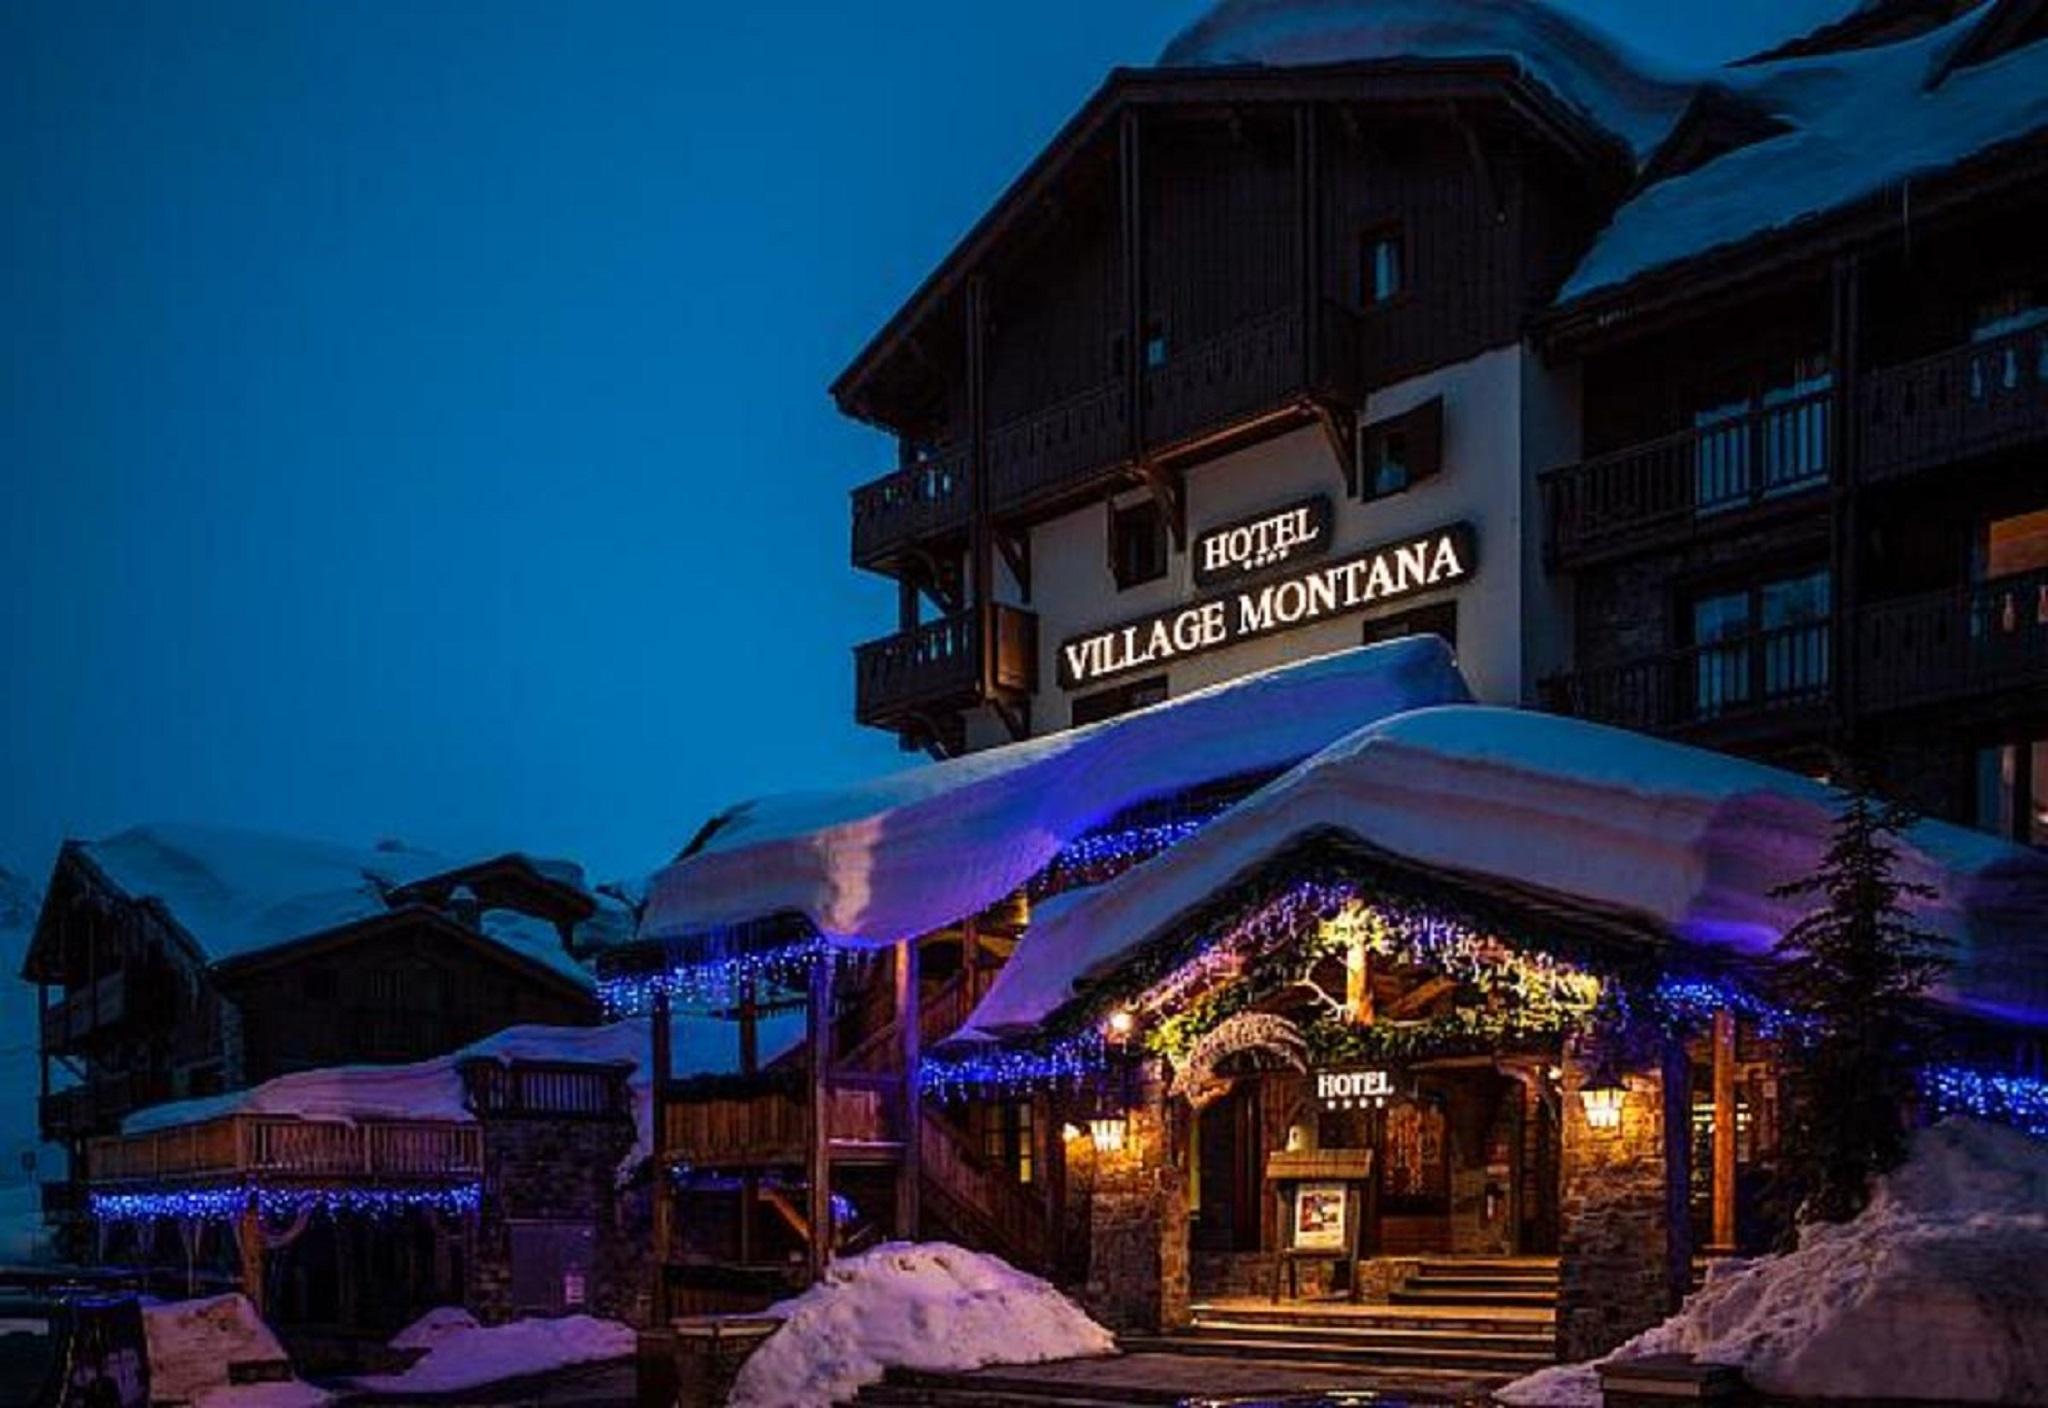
[1690,839]
[912,1305]
[1863,122]
[191,1344]
[1622,93]
[1938,1292]
[905,854]
[462,1354]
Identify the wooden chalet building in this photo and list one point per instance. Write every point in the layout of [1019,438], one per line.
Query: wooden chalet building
[181,962]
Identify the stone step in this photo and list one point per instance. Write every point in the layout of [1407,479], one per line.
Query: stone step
[1489,1265]
[1537,1340]
[1443,1361]
[1456,1284]
[1309,1316]
[1412,1294]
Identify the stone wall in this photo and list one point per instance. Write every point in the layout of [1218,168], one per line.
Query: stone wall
[1613,1250]
[1138,1227]
[558,1169]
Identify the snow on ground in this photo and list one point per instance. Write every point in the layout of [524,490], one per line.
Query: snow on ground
[908,853]
[463,1354]
[1937,1293]
[191,1344]
[1689,838]
[914,1305]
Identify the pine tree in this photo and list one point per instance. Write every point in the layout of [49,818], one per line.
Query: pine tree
[1854,971]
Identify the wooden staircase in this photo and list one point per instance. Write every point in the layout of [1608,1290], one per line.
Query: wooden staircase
[975,1205]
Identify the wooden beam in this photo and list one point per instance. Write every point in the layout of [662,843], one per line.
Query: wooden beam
[750,1063]
[661,1063]
[908,1032]
[1676,1081]
[1724,1131]
[249,1244]
[818,1143]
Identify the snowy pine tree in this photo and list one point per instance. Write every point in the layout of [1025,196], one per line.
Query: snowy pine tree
[1855,971]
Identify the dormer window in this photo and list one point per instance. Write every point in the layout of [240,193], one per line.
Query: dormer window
[1383,267]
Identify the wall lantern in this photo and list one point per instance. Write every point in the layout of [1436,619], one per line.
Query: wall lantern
[1120,1025]
[1602,1095]
[1108,1132]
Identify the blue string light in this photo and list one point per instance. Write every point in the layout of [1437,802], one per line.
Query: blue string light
[1004,1071]
[714,982]
[1694,1001]
[2020,1101]
[1101,855]
[276,1203]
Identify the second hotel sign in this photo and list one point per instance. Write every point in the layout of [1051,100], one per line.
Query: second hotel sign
[1438,558]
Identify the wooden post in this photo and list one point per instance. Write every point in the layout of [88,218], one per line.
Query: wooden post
[970,959]
[908,1017]
[750,1063]
[1676,1080]
[818,1054]
[1358,984]
[249,1243]
[660,1060]
[1724,1130]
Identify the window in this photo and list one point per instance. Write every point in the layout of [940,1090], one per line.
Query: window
[1401,451]
[2012,791]
[1155,344]
[1137,545]
[1006,1139]
[1438,620]
[2017,544]
[1767,442]
[1383,267]
[1108,703]
[1768,644]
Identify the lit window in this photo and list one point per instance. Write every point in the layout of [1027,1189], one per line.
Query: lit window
[1384,271]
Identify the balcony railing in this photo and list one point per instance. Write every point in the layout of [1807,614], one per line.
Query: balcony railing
[922,501]
[1256,366]
[1955,644]
[546,1089]
[1967,400]
[1068,444]
[97,1106]
[289,1147]
[1667,489]
[730,1126]
[1702,686]
[98,1007]
[945,664]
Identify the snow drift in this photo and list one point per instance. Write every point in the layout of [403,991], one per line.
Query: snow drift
[911,852]
[1938,1292]
[191,1344]
[461,1354]
[910,1305]
[1690,840]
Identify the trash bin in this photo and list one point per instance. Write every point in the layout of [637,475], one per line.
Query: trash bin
[709,1350]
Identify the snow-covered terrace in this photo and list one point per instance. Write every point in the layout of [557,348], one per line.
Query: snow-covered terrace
[1691,844]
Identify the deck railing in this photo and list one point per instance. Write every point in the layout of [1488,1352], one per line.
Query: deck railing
[1050,450]
[731,1126]
[97,1006]
[287,1146]
[1702,685]
[940,663]
[1954,644]
[546,1089]
[918,502]
[1670,487]
[1966,400]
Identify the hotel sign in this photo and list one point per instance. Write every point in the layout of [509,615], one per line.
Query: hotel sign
[1265,543]
[1440,558]
[1349,1090]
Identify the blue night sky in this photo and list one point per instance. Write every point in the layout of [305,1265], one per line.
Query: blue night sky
[415,419]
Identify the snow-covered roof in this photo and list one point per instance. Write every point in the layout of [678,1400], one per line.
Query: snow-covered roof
[905,854]
[1692,840]
[1863,122]
[1623,94]
[236,893]
[433,1090]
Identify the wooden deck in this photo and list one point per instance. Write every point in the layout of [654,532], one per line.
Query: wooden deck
[285,1146]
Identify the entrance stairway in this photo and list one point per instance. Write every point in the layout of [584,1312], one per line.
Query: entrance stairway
[1483,1321]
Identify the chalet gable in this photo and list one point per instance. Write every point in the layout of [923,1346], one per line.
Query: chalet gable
[2006,25]
[1716,122]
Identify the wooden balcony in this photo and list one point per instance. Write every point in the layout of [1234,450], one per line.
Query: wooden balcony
[285,1146]
[1699,480]
[947,665]
[556,1090]
[1969,400]
[101,1007]
[918,504]
[764,1122]
[97,1106]
[1764,682]
[1981,641]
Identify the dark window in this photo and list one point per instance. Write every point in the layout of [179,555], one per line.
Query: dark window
[1401,451]
[1382,267]
[1760,644]
[1440,619]
[1108,703]
[1137,545]
[1155,344]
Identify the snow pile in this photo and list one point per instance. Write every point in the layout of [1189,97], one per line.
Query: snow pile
[909,853]
[1864,122]
[1937,1293]
[1688,839]
[462,1354]
[433,1089]
[912,1305]
[1620,92]
[191,1344]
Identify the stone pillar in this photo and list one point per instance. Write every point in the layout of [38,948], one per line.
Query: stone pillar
[1612,1248]
[1138,1226]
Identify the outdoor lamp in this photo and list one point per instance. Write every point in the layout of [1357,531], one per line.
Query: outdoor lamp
[1602,1095]
[1120,1023]
[1107,1133]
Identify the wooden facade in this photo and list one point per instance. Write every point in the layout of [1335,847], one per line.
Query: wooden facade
[1183,272]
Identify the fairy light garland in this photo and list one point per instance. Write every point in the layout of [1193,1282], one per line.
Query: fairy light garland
[276,1203]
[1103,855]
[1072,1062]
[714,982]
[2020,1101]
